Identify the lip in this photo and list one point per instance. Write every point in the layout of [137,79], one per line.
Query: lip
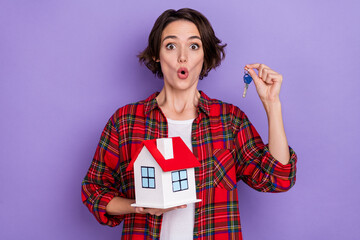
[183,73]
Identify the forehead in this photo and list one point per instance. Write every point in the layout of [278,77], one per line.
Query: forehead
[180,29]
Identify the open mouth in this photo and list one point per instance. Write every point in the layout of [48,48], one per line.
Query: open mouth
[183,73]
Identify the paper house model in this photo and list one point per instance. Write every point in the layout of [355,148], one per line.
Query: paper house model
[164,173]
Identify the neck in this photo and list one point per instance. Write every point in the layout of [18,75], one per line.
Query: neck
[178,104]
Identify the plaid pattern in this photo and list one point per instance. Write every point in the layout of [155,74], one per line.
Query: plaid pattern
[227,146]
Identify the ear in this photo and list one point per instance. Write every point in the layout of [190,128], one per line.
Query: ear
[156,60]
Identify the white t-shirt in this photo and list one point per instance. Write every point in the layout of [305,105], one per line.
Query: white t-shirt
[179,224]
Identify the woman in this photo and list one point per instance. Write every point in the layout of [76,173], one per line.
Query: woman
[183,49]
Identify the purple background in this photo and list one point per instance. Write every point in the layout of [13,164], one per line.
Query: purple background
[66,66]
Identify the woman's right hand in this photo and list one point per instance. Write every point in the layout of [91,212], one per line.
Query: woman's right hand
[120,205]
[156,211]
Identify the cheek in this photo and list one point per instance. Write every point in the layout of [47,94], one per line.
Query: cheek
[163,64]
[199,62]
[166,61]
[200,58]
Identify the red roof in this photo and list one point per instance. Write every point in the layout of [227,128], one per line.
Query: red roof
[183,157]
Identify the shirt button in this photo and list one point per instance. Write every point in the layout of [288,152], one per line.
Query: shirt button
[197,211]
[194,138]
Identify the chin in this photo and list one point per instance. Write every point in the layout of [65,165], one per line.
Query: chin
[185,84]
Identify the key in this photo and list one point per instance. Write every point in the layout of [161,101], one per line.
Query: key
[247,80]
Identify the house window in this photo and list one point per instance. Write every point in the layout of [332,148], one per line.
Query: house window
[148,177]
[179,180]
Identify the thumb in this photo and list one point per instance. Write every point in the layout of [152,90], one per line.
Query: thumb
[255,77]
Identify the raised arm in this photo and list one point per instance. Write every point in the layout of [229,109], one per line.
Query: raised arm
[268,84]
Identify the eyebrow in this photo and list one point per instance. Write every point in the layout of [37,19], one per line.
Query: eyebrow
[174,37]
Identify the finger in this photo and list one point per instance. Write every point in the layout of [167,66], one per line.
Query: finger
[263,73]
[278,77]
[254,65]
[257,81]
[274,79]
[269,79]
[139,209]
[267,71]
[175,208]
[181,207]
[151,211]
[257,66]
[264,70]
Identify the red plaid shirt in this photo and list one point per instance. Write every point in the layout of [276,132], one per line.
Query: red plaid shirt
[224,141]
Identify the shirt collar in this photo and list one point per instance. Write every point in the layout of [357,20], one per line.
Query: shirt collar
[150,103]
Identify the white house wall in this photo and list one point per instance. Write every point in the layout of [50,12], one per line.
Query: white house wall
[180,197]
[148,196]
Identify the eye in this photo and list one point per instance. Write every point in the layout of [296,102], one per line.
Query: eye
[170,46]
[194,46]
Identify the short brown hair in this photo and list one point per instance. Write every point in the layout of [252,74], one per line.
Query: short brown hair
[213,50]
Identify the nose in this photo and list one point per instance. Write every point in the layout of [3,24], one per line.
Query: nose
[182,58]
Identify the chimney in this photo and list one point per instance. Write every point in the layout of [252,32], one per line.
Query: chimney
[165,147]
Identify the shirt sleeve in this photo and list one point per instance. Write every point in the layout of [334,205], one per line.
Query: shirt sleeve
[256,166]
[101,183]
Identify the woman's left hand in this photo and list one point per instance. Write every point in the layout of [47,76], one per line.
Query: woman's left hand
[267,82]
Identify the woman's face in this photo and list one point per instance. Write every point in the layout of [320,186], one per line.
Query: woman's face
[181,55]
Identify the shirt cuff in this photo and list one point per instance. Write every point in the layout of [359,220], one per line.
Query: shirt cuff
[100,210]
[276,168]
